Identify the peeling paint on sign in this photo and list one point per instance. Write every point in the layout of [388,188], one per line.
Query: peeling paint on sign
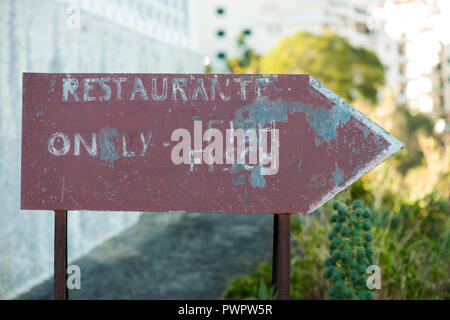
[108,140]
[191,143]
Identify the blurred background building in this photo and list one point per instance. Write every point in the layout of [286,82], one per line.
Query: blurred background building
[74,36]
[410,37]
[419,64]
[265,21]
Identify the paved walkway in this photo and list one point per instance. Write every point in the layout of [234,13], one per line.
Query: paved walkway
[193,257]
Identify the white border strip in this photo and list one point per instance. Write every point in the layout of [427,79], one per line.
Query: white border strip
[395,145]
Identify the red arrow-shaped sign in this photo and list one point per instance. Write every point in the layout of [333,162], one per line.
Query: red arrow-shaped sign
[191,143]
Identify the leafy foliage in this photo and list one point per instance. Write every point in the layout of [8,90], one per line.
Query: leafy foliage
[307,266]
[250,287]
[350,252]
[248,61]
[409,127]
[264,292]
[412,248]
[350,72]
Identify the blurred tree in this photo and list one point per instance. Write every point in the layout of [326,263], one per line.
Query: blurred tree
[248,61]
[408,129]
[350,72]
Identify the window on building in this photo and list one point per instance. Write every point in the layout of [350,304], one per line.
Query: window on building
[362,27]
[221,55]
[402,90]
[220,33]
[361,10]
[247,32]
[220,11]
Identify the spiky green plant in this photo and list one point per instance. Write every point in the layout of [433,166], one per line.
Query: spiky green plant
[350,251]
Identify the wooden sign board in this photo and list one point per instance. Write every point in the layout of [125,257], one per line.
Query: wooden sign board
[191,143]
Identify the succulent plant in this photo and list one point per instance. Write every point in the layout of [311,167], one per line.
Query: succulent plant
[350,252]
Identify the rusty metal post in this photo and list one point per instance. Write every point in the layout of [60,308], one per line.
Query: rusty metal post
[281,262]
[60,256]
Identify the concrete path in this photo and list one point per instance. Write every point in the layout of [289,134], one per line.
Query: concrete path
[191,257]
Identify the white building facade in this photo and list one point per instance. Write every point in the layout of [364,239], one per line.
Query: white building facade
[420,67]
[264,21]
[410,37]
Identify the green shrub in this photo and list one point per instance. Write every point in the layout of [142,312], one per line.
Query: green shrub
[410,245]
[350,252]
[306,264]
[413,250]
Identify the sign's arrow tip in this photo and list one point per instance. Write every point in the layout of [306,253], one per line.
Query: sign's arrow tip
[394,145]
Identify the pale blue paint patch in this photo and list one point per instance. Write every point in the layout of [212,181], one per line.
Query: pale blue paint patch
[364,129]
[323,121]
[299,164]
[237,167]
[239,180]
[52,86]
[108,140]
[338,176]
[261,114]
[320,120]
[340,114]
[317,141]
[256,179]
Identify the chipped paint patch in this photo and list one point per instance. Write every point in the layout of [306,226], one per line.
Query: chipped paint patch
[364,129]
[338,176]
[323,121]
[256,179]
[317,141]
[239,180]
[237,168]
[299,164]
[261,114]
[108,145]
